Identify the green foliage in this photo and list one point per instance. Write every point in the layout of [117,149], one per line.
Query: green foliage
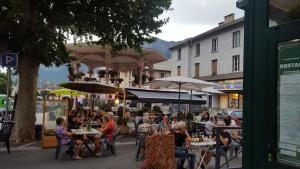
[3,82]
[106,107]
[145,109]
[40,29]
[156,108]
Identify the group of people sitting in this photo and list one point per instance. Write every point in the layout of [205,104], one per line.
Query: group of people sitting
[229,138]
[104,123]
[178,127]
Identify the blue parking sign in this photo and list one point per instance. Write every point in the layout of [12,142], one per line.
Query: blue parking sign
[9,59]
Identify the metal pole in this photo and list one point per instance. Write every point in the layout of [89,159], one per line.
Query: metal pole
[218,148]
[179,97]
[191,97]
[7,92]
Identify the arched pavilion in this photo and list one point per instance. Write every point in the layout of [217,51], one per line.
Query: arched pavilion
[121,61]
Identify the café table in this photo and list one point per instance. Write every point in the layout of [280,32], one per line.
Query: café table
[202,147]
[81,132]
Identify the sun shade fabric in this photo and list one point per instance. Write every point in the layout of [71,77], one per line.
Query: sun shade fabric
[91,87]
[185,83]
[154,96]
[60,92]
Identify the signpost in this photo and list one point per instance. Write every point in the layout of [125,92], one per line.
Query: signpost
[8,60]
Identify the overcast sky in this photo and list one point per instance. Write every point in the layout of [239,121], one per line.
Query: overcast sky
[192,17]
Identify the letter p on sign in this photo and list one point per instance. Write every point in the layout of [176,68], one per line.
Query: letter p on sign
[9,59]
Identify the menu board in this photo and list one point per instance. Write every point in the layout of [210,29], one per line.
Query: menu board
[53,110]
[289,104]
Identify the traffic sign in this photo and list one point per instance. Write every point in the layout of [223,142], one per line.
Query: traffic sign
[9,59]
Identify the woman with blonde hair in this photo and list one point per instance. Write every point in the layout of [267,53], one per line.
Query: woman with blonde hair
[180,138]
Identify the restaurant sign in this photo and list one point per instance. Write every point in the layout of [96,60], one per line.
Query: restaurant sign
[288,98]
[230,85]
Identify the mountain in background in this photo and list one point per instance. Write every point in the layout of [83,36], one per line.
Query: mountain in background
[57,75]
[161,45]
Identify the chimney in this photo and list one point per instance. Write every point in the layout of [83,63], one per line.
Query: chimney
[229,18]
[221,23]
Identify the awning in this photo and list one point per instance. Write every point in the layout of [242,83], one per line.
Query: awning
[158,96]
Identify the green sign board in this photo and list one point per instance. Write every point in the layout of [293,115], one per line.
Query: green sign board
[289,104]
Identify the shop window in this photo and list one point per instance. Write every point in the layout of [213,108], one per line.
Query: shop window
[162,75]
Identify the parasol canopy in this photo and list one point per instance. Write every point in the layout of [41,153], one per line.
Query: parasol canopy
[70,92]
[91,87]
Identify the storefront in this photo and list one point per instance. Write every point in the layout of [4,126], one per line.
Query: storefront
[232,97]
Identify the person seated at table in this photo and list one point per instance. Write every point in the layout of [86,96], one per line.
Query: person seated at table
[235,136]
[174,121]
[111,120]
[209,126]
[66,138]
[225,140]
[139,118]
[180,138]
[146,126]
[107,129]
[205,116]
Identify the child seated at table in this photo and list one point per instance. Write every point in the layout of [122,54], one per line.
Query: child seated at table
[65,138]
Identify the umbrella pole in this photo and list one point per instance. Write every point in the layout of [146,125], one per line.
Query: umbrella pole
[191,96]
[179,97]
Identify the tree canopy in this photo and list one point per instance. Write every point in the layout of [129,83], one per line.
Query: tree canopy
[40,28]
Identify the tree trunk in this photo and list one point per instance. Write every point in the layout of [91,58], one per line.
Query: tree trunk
[24,130]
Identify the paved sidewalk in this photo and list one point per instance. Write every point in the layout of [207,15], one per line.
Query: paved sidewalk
[31,156]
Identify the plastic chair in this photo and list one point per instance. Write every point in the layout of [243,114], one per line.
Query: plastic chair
[60,149]
[5,133]
[141,142]
[186,157]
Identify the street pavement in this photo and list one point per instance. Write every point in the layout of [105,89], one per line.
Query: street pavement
[31,156]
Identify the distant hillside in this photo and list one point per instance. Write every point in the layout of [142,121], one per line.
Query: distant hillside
[161,45]
[56,75]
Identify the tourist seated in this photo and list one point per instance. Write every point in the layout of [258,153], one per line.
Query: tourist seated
[66,137]
[174,121]
[111,121]
[235,136]
[225,140]
[146,126]
[209,126]
[107,129]
[139,118]
[180,138]
[205,116]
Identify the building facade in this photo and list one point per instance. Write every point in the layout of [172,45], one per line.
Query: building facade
[216,56]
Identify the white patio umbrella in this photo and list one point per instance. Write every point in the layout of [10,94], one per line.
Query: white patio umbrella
[180,82]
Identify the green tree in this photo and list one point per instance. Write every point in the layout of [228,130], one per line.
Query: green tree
[3,83]
[38,30]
